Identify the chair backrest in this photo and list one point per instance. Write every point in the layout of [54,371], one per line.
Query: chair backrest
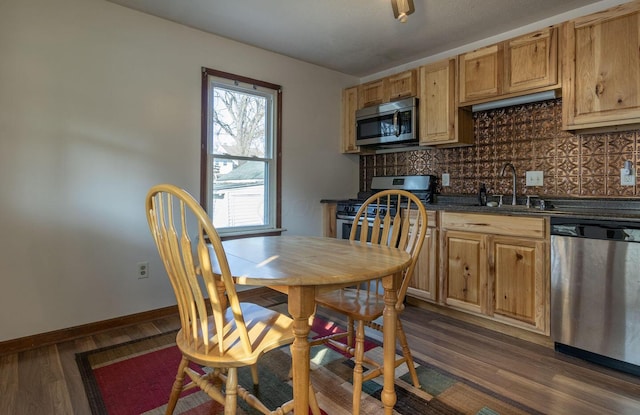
[406,229]
[197,269]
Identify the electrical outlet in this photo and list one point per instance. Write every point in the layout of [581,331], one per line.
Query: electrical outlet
[627,179]
[445,179]
[535,178]
[143,270]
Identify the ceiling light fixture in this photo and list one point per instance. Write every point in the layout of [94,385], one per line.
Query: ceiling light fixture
[402,9]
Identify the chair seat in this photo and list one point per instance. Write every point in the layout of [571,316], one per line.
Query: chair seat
[357,304]
[267,329]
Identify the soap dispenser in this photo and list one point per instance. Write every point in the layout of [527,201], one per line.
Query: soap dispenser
[482,195]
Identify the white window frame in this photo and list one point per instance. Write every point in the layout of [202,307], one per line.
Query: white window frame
[272,193]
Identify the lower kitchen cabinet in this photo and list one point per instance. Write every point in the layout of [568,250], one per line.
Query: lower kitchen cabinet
[465,265]
[496,266]
[424,284]
[329,219]
[518,280]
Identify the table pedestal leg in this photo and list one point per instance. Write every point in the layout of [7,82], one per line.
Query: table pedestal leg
[388,395]
[301,307]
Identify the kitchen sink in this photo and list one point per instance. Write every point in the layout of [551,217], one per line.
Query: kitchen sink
[517,208]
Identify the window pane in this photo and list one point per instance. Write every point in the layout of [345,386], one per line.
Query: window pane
[239,123]
[238,192]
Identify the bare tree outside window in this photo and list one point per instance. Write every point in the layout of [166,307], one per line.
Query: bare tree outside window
[241,117]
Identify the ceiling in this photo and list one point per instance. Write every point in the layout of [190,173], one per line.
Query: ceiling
[355,37]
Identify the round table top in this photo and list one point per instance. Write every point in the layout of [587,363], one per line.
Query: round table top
[307,260]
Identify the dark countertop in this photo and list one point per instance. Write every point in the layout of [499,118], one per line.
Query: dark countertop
[602,209]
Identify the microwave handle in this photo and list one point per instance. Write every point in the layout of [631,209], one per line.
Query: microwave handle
[396,127]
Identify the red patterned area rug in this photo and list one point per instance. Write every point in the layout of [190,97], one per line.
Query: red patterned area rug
[135,378]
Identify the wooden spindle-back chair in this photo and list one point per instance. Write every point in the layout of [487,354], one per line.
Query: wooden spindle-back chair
[406,229]
[221,333]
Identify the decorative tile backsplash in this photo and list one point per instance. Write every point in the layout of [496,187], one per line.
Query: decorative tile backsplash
[530,137]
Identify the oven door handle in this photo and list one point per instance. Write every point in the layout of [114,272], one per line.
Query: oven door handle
[345,218]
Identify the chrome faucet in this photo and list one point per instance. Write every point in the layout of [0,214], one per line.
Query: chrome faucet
[513,174]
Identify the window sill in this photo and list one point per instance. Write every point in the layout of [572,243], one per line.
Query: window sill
[250,234]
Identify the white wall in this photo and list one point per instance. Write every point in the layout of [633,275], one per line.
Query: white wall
[98,103]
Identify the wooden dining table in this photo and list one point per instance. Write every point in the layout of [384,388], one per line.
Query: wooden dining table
[305,266]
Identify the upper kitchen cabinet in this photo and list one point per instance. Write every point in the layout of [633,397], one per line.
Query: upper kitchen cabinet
[518,66]
[441,121]
[531,61]
[480,74]
[601,69]
[373,93]
[349,107]
[401,85]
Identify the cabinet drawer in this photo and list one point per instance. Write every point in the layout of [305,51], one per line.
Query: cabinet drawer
[521,226]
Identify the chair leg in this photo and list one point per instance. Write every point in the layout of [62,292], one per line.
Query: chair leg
[231,395]
[313,401]
[254,374]
[177,386]
[357,369]
[406,352]
[349,331]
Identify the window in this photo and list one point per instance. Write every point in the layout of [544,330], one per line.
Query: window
[240,163]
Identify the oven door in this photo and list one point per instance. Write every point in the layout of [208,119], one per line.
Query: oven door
[343,229]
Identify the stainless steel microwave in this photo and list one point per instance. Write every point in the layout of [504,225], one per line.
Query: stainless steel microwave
[388,124]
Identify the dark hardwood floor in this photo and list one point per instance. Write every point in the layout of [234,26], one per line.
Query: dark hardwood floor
[46,380]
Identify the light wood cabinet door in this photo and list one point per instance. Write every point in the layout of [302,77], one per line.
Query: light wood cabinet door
[601,64]
[531,61]
[349,107]
[480,73]
[424,284]
[441,121]
[517,279]
[465,268]
[437,102]
[373,93]
[402,85]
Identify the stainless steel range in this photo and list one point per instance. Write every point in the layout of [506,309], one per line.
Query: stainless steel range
[422,186]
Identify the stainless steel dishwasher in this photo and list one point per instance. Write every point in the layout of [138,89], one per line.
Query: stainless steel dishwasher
[595,290]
